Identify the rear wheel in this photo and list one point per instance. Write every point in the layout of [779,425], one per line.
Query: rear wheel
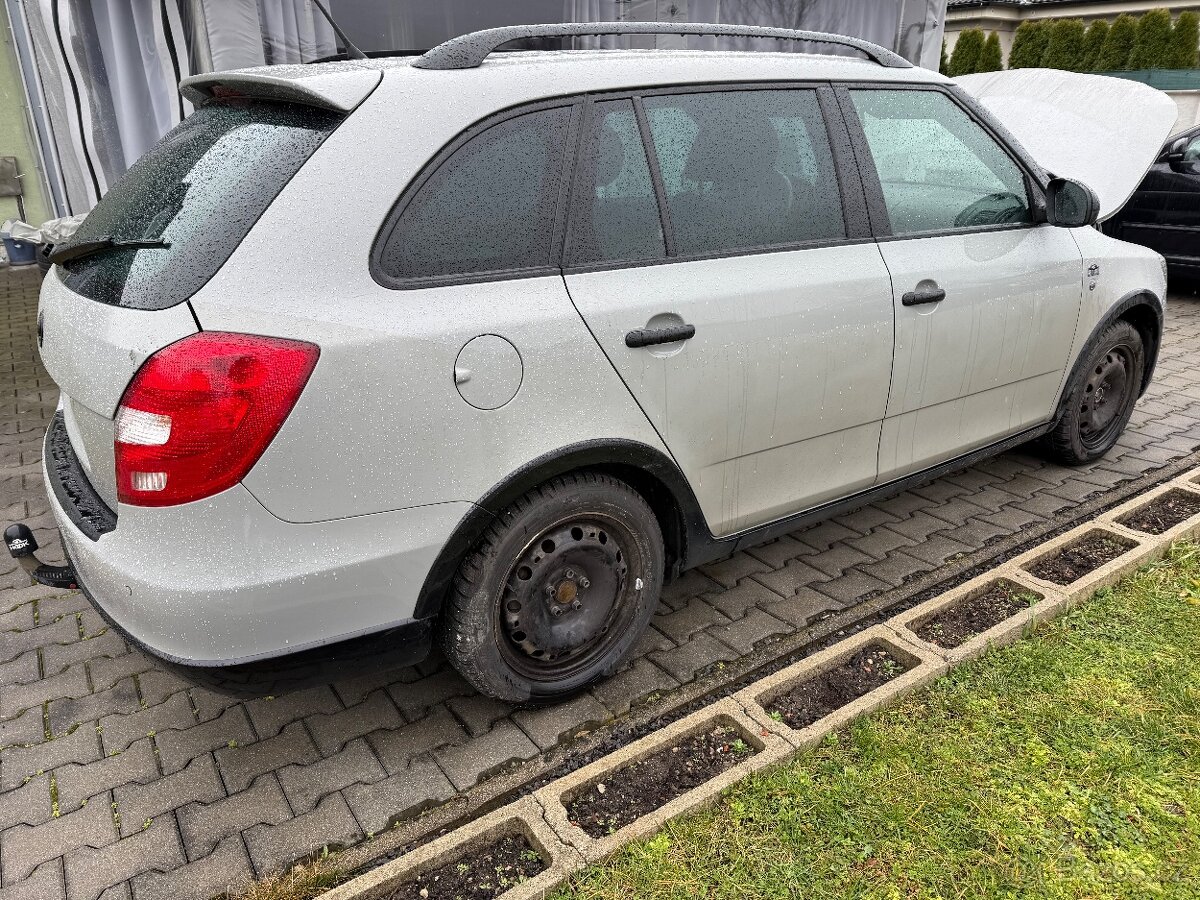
[1101,397]
[558,590]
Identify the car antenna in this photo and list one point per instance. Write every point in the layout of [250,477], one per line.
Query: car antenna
[351,51]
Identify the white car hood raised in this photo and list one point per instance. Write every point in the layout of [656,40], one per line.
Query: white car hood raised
[1105,132]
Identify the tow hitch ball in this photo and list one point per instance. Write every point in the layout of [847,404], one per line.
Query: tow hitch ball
[22,545]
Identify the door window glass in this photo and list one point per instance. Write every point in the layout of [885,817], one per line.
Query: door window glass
[489,207]
[1191,153]
[939,170]
[617,216]
[745,169]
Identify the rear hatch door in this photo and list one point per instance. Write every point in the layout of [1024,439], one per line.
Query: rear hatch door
[188,203]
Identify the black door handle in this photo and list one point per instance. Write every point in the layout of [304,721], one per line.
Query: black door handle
[921,295]
[648,337]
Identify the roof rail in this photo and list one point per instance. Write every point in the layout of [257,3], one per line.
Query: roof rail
[468,51]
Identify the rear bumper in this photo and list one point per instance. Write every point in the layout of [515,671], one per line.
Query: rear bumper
[222,582]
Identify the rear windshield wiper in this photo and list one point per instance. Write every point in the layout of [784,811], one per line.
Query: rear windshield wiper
[87,248]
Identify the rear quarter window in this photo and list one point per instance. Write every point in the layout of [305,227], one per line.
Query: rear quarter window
[200,189]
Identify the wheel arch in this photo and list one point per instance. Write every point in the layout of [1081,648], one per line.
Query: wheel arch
[1144,311]
[647,470]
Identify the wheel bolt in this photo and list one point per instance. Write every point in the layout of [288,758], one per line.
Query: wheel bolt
[576,605]
[556,611]
[584,583]
[570,573]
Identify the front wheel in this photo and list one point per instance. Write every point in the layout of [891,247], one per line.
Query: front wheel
[1100,399]
[557,592]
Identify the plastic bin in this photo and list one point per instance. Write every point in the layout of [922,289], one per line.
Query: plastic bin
[20,253]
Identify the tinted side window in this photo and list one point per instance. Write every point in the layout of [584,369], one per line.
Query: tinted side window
[939,170]
[617,215]
[489,207]
[745,169]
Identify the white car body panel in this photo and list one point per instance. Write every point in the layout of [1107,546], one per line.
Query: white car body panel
[336,528]
[987,361]
[776,402]
[1105,132]
[251,585]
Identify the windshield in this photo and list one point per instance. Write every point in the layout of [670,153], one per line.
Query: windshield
[198,190]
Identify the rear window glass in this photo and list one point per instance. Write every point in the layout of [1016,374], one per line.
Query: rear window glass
[199,189]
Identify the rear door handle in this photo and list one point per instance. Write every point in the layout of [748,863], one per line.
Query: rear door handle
[648,337]
[929,294]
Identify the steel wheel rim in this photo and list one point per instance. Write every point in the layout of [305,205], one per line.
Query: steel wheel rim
[568,597]
[1105,396]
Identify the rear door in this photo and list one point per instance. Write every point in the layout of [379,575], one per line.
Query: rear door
[986,301]
[735,289]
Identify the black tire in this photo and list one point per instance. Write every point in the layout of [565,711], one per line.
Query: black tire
[558,590]
[1100,399]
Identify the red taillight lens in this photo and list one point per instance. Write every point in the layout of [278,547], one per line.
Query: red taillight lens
[199,413]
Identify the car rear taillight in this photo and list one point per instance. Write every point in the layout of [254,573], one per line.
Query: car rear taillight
[200,412]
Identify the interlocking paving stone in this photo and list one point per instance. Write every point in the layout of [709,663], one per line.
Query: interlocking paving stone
[737,601]
[696,616]
[224,870]
[20,671]
[464,763]
[684,661]
[271,714]
[331,824]
[802,608]
[19,697]
[78,782]
[203,825]
[23,848]
[640,680]
[328,763]
[119,731]
[57,657]
[81,746]
[45,883]
[176,748]
[547,724]
[67,711]
[28,805]
[241,765]
[396,747]
[305,785]
[478,714]
[729,572]
[197,783]
[155,848]
[421,785]
[753,628]
[333,731]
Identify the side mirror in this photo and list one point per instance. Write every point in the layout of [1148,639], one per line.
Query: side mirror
[1071,204]
[1176,152]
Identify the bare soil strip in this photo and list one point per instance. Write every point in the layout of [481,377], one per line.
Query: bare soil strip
[976,614]
[817,697]
[656,780]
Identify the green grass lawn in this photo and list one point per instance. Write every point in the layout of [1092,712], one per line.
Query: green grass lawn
[1065,766]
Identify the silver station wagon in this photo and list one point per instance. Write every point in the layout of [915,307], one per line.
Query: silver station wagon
[591,318]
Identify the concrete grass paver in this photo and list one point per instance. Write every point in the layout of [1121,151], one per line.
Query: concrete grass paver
[234,789]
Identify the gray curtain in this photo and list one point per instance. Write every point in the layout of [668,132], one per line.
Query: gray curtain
[109,69]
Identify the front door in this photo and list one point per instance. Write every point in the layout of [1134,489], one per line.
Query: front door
[752,328]
[986,301]
[1164,212]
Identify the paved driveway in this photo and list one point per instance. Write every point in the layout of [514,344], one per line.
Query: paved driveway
[119,778]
